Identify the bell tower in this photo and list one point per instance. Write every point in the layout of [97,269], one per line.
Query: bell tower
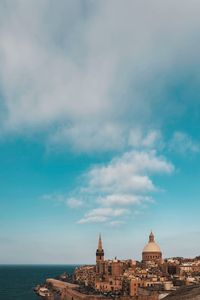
[100,257]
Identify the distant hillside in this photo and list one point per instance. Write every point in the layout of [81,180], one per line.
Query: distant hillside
[185,293]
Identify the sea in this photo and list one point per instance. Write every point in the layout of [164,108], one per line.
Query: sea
[17,282]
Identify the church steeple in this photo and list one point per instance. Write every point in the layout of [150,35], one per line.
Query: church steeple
[100,251]
[100,243]
[100,268]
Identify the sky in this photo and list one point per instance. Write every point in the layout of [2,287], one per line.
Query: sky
[99,129]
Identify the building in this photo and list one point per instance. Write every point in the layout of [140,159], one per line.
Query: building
[150,279]
[108,273]
[152,252]
[127,279]
[100,264]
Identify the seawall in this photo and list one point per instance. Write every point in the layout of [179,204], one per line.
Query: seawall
[68,292]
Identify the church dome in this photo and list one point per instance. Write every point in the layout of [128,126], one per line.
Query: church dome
[151,246]
[151,251]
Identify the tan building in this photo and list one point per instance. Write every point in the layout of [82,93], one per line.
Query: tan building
[135,283]
[108,272]
[151,251]
[121,277]
[85,275]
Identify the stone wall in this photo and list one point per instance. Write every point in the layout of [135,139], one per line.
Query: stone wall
[185,293]
[69,292]
[74,295]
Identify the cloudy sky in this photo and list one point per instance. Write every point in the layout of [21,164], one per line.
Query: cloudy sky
[99,128]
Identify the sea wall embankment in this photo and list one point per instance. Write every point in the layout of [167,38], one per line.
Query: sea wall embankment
[68,292]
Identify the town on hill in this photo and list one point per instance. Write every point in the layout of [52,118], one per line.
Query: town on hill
[152,278]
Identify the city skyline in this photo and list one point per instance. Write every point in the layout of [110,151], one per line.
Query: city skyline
[99,129]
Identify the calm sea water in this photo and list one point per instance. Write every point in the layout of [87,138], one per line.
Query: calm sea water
[17,282]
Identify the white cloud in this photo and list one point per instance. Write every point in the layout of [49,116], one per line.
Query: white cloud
[102,214]
[87,137]
[128,173]
[55,197]
[183,143]
[117,223]
[59,198]
[115,191]
[86,74]
[122,184]
[138,139]
[107,212]
[74,203]
[94,219]
[122,200]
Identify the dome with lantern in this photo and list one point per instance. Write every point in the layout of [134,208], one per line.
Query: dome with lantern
[151,251]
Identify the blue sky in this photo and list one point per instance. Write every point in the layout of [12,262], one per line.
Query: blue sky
[99,129]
